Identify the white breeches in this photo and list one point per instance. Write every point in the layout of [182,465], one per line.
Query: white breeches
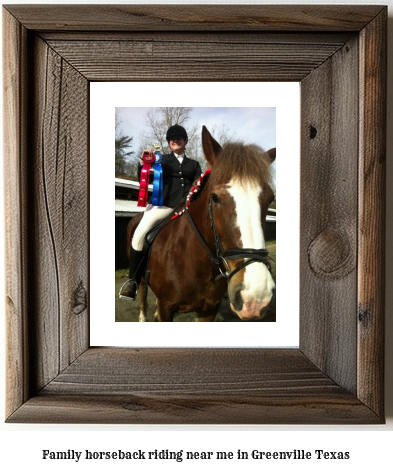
[152,216]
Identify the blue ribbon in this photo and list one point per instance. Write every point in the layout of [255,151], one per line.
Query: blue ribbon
[158,182]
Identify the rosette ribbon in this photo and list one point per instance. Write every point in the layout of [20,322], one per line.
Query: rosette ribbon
[158,182]
[148,160]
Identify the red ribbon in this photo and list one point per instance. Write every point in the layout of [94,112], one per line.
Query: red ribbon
[144,185]
[148,160]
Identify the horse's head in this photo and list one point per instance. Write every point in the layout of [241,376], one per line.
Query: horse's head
[240,193]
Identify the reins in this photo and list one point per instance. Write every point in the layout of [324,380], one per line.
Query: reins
[253,255]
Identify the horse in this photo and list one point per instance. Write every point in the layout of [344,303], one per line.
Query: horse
[217,243]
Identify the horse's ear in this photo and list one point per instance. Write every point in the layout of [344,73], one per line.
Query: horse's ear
[271,154]
[210,147]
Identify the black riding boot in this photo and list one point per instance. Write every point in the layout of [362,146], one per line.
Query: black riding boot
[130,288]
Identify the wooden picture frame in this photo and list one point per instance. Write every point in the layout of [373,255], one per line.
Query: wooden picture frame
[338,54]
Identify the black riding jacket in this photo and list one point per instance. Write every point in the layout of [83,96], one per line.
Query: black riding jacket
[178,178]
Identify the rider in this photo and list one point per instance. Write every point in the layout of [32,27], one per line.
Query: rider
[179,172]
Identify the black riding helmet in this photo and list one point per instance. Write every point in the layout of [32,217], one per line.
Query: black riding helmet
[176,130]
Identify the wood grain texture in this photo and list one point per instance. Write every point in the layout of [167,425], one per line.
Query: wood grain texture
[201,37]
[210,60]
[195,17]
[335,376]
[59,219]
[14,70]
[197,409]
[193,386]
[372,170]
[329,173]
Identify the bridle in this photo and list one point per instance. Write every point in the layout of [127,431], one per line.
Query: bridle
[222,256]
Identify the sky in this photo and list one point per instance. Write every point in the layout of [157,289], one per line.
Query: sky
[251,124]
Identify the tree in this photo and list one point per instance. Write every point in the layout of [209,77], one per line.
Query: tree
[222,134]
[124,167]
[159,119]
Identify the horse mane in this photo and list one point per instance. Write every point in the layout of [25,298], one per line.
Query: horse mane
[247,163]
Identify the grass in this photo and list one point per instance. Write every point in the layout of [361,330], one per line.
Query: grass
[121,273]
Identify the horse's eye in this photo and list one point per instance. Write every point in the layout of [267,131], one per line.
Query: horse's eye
[215,198]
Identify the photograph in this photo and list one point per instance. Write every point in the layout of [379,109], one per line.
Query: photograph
[195,207]
[64,68]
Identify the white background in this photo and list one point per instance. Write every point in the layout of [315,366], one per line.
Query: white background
[370,446]
[104,97]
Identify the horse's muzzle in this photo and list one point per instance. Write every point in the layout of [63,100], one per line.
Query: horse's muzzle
[248,310]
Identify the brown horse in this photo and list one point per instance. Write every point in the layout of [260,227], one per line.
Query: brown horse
[229,214]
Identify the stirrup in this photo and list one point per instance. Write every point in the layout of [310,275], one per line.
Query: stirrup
[130,298]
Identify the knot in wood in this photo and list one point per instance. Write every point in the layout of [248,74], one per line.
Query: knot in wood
[313,132]
[363,316]
[330,254]
[79,299]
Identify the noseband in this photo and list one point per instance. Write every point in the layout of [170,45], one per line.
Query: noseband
[222,256]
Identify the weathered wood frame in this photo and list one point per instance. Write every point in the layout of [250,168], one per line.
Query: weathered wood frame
[338,54]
